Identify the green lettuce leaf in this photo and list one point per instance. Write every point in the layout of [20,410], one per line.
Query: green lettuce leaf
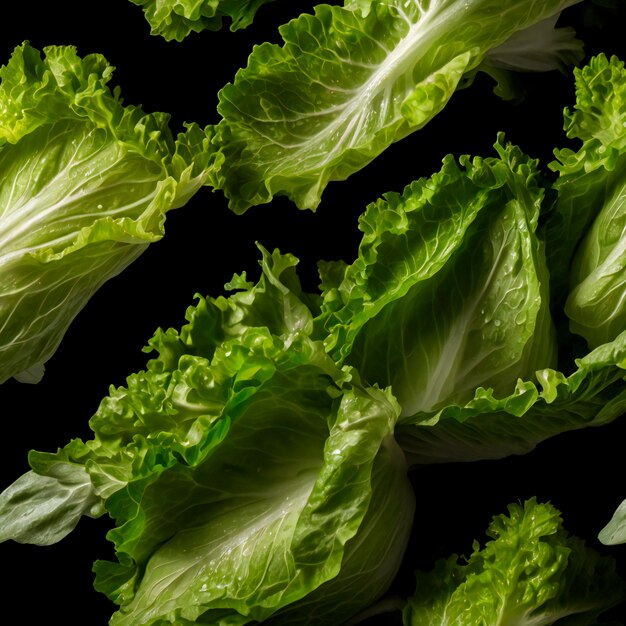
[449,291]
[56,502]
[448,304]
[157,417]
[175,19]
[586,233]
[249,476]
[85,184]
[615,531]
[530,573]
[266,515]
[488,427]
[349,81]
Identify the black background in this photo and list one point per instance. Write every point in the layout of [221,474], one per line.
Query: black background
[581,473]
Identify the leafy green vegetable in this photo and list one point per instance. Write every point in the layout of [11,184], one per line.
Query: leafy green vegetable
[56,502]
[244,470]
[175,19]
[587,230]
[591,210]
[449,290]
[349,81]
[531,573]
[448,300]
[256,470]
[488,427]
[615,531]
[84,187]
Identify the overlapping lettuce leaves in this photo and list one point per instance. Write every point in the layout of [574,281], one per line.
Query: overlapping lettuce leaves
[85,184]
[244,469]
[588,227]
[349,81]
[490,427]
[256,470]
[175,19]
[589,222]
[532,572]
[449,290]
[448,303]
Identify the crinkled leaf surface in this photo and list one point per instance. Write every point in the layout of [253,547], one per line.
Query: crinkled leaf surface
[449,291]
[531,573]
[175,19]
[348,82]
[590,215]
[448,303]
[266,517]
[489,427]
[84,187]
[245,471]
[170,410]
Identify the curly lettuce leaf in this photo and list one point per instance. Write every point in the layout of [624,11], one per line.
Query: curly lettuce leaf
[532,572]
[244,469]
[266,518]
[587,232]
[175,19]
[490,427]
[85,184]
[349,81]
[168,402]
[449,291]
[448,304]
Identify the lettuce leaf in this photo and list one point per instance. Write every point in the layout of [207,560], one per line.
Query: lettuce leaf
[490,427]
[175,19]
[266,517]
[244,469]
[56,502]
[349,81]
[449,291]
[530,573]
[615,531]
[586,231]
[85,184]
[448,303]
